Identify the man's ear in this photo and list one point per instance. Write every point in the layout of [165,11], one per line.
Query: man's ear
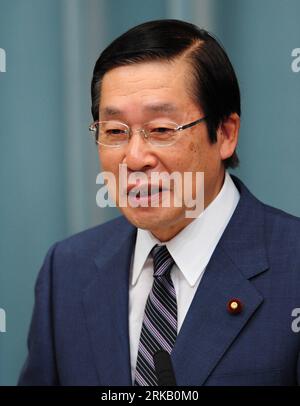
[228,134]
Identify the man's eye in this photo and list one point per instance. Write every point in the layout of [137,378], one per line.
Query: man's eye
[115,131]
[160,130]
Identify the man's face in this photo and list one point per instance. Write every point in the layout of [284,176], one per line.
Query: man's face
[139,93]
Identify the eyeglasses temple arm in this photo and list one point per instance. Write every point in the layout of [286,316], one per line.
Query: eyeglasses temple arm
[183,127]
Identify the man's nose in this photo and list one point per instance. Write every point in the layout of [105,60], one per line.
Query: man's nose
[139,155]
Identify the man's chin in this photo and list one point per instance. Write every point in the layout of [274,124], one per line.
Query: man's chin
[151,218]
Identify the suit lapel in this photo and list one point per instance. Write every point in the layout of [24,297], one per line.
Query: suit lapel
[106,310]
[209,329]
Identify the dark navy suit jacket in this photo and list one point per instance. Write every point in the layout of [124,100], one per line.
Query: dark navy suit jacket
[79,329]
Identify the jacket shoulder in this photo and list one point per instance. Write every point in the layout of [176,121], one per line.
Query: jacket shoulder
[70,262]
[91,239]
[276,221]
[281,219]
[282,233]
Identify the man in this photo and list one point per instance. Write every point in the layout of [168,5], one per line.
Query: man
[217,292]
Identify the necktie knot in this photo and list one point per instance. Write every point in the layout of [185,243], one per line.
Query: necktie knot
[162,261]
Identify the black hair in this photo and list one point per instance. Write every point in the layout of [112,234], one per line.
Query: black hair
[215,86]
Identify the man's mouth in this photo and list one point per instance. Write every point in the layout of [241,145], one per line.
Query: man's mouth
[140,191]
[145,195]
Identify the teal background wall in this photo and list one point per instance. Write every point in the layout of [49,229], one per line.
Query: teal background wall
[48,163]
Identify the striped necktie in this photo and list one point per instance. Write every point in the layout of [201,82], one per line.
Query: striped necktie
[159,329]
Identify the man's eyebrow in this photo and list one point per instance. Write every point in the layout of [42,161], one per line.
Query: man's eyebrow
[161,107]
[110,111]
[156,108]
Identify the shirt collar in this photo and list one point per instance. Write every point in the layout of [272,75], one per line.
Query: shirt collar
[192,248]
[145,241]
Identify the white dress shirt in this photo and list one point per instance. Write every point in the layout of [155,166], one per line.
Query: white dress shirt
[191,250]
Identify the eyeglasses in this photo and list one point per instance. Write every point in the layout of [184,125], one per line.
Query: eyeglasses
[157,132]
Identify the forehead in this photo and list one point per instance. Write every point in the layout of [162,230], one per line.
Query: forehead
[147,81]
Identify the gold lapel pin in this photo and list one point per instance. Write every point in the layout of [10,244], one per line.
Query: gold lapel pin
[234,306]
